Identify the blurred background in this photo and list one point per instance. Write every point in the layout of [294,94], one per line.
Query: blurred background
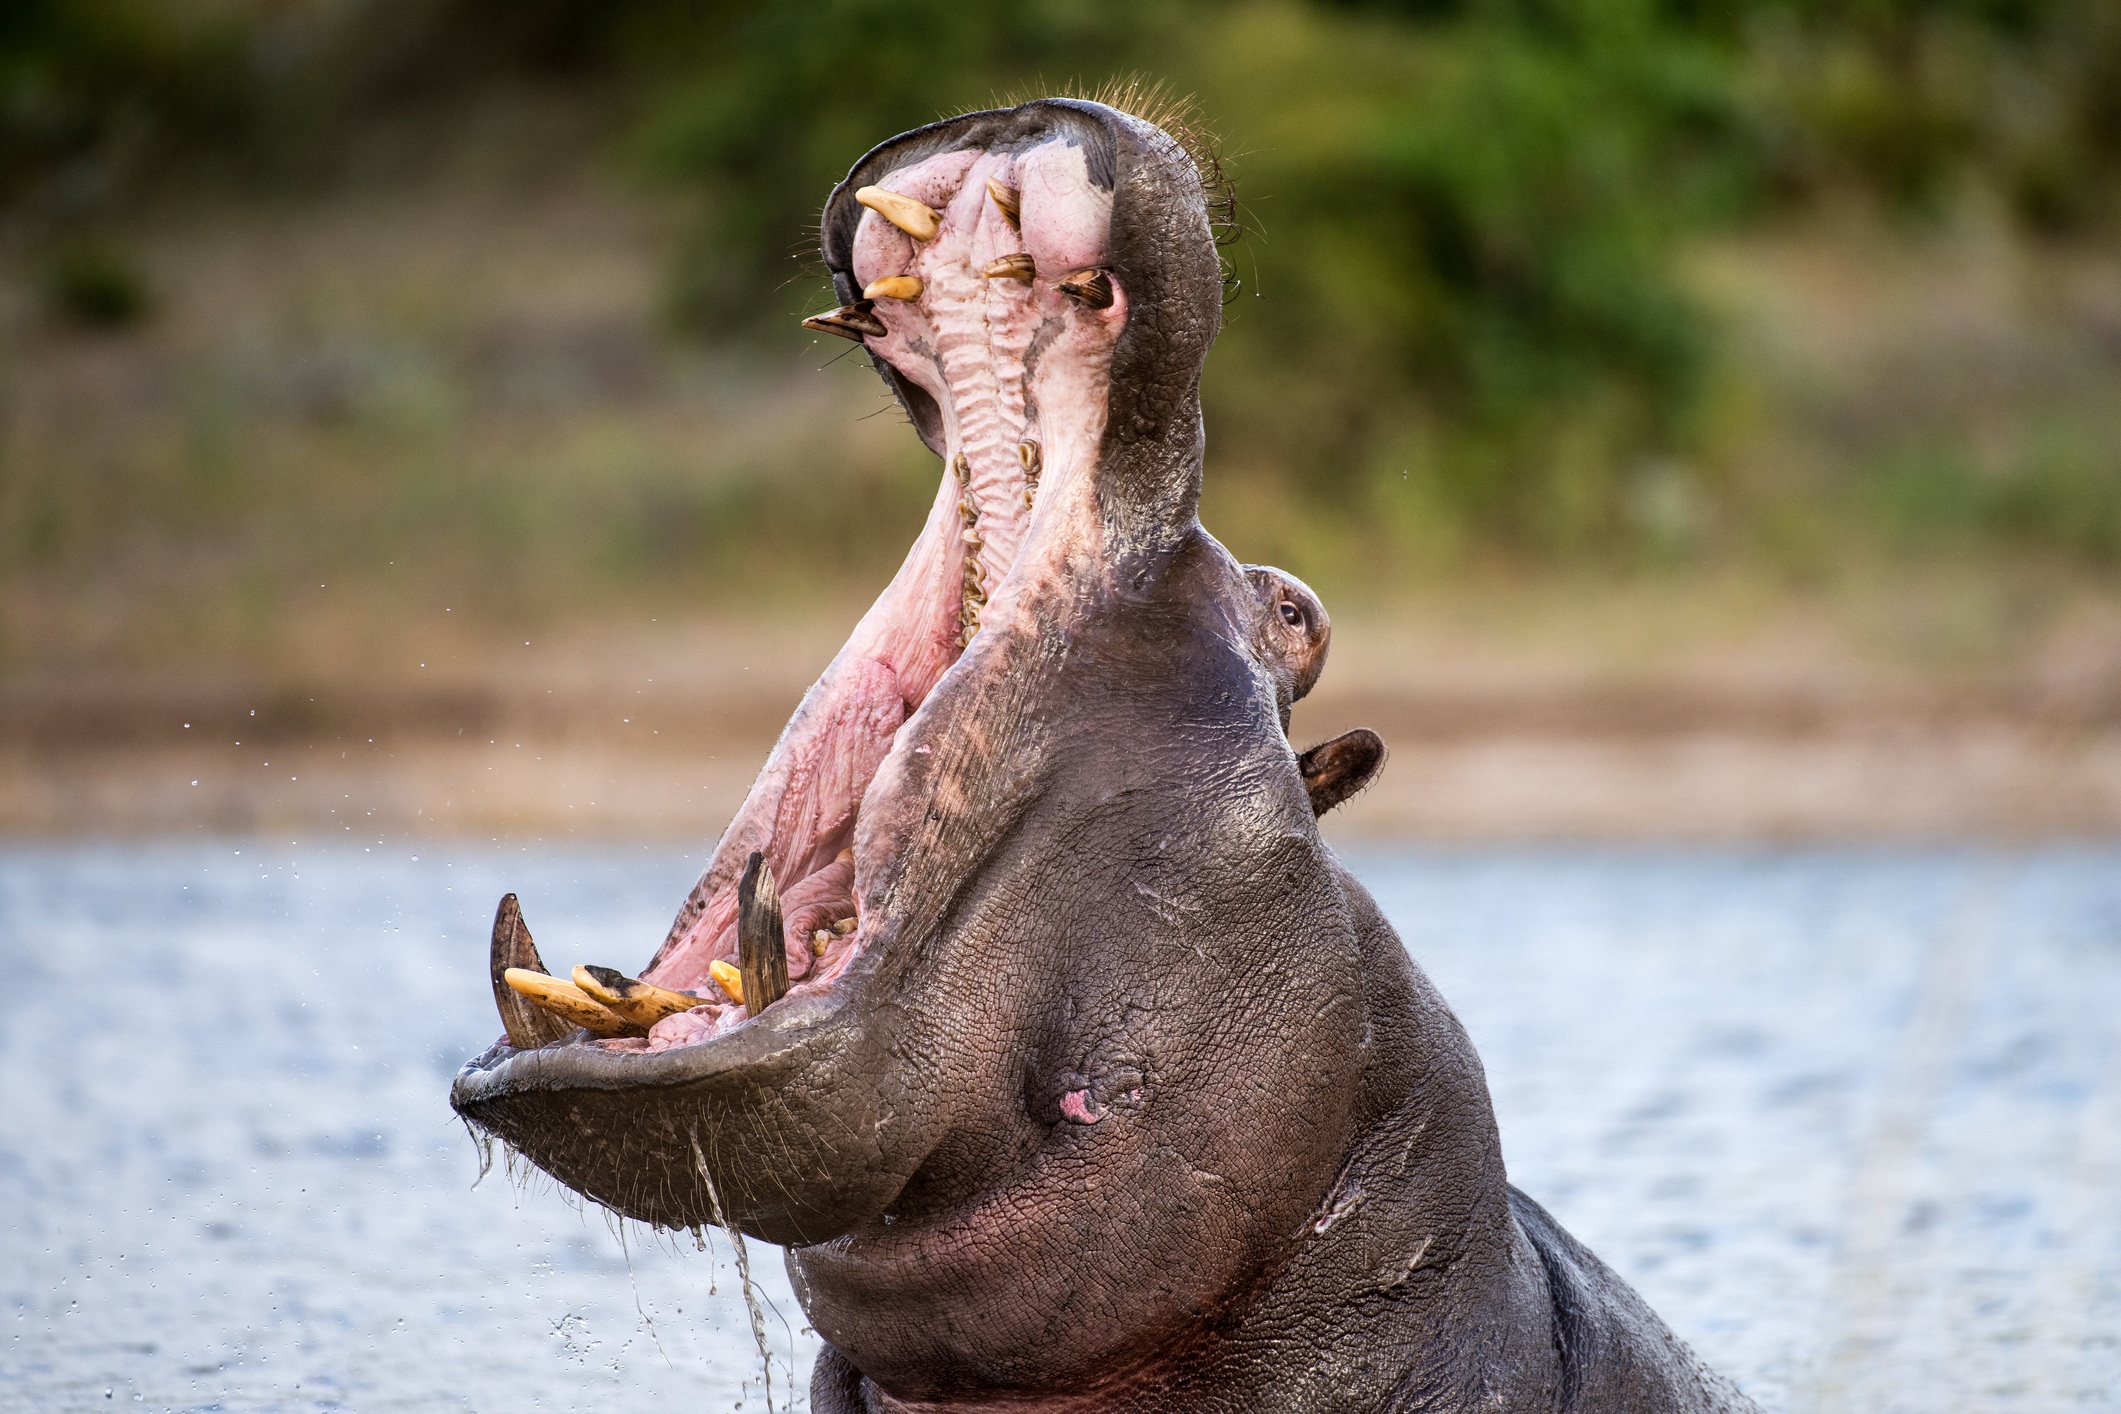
[1702,419]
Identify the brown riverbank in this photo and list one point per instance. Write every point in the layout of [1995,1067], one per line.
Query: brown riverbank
[402,496]
[1779,734]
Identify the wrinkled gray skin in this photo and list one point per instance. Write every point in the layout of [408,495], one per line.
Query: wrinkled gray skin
[1094,868]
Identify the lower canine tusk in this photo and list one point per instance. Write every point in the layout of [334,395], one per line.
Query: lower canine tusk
[565,1000]
[1019,267]
[528,1026]
[642,1003]
[855,321]
[761,948]
[894,287]
[916,218]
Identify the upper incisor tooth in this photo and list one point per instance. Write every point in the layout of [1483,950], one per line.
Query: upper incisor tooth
[894,287]
[916,218]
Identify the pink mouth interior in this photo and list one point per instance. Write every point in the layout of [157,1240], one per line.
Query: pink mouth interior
[1018,373]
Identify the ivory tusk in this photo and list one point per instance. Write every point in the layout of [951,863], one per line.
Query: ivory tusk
[528,1026]
[916,218]
[855,321]
[1009,200]
[904,287]
[728,979]
[570,1003]
[1019,267]
[642,1003]
[1091,289]
[761,946]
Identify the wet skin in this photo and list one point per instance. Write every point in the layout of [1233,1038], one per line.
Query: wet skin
[1120,1094]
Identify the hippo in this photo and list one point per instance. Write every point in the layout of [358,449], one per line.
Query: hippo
[1068,1063]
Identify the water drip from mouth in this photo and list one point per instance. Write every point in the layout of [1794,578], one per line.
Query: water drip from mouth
[743,1271]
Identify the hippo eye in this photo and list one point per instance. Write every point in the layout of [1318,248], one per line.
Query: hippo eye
[1291,615]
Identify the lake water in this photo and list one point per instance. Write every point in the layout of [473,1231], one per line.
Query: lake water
[1850,1120]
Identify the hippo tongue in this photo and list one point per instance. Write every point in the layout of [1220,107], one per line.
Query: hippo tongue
[985,300]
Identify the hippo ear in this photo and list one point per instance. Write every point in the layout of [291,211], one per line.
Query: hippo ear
[1335,770]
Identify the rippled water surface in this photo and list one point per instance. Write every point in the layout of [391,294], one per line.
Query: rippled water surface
[1851,1121]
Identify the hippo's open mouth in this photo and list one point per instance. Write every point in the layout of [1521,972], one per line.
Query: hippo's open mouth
[978,279]
[1081,1075]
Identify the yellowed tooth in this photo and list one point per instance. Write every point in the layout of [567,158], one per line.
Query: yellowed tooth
[1019,267]
[844,927]
[1090,288]
[855,321]
[894,287]
[1007,198]
[917,219]
[821,940]
[642,1003]
[728,979]
[570,1003]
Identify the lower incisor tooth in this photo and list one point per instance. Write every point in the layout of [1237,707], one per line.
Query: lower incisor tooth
[570,1003]
[728,979]
[642,1003]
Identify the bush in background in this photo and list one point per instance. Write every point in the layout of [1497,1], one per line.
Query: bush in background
[1459,323]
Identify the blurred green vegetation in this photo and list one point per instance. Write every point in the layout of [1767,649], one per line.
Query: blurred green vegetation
[1463,321]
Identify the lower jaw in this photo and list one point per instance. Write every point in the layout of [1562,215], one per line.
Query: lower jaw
[811,795]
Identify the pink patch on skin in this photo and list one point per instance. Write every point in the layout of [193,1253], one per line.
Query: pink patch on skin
[1076,1105]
